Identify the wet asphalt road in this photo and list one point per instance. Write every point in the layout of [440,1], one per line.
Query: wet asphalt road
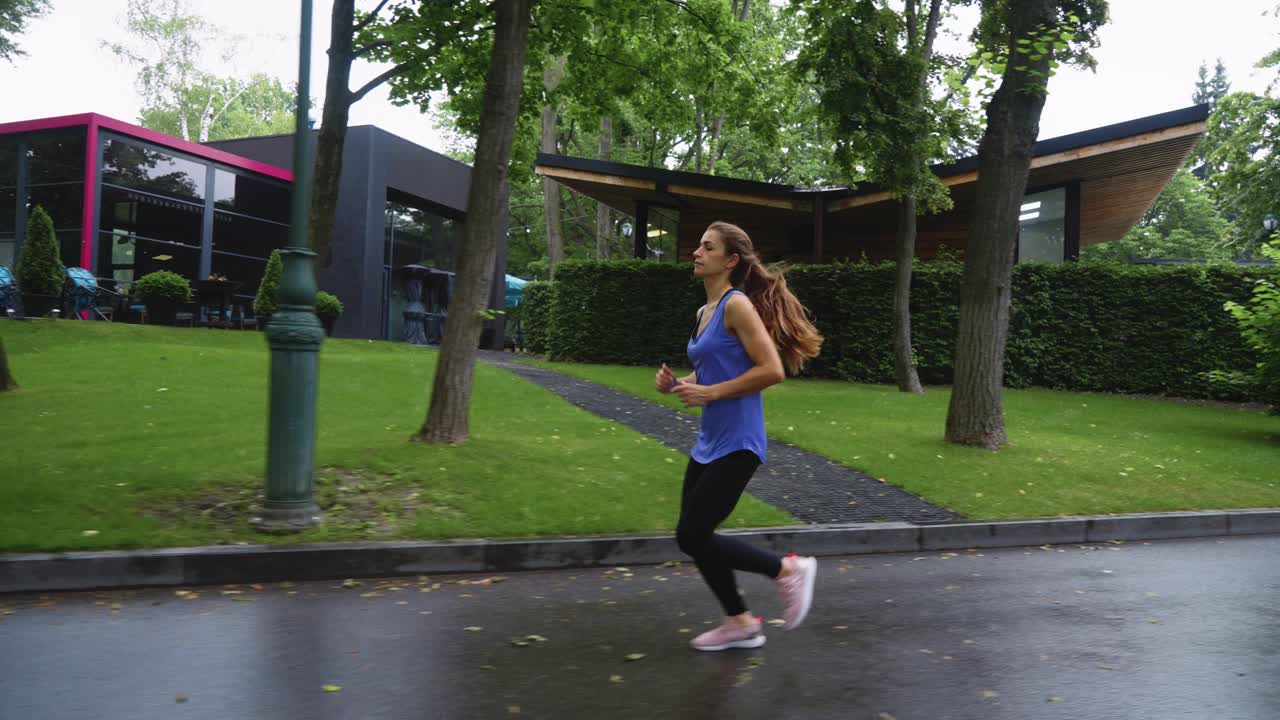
[1148,631]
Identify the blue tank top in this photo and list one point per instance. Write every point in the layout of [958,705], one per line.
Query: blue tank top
[727,425]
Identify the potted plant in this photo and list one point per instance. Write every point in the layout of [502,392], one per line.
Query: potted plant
[162,292]
[39,271]
[328,309]
[266,302]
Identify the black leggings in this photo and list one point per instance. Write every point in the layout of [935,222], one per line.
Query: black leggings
[710,494]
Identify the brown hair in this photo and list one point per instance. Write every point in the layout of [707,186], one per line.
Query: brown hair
[785,318]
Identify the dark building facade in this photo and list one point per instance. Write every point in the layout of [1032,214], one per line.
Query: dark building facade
[127,201]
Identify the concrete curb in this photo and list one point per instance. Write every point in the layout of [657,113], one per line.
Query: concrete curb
[324,561]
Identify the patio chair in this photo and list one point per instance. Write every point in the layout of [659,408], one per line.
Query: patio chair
[82,294]
[8,292]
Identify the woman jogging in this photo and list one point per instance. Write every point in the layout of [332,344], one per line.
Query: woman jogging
[749,330]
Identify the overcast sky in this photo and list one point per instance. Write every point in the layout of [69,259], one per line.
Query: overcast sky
[1146,65]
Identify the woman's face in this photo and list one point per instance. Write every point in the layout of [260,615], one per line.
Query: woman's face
[709,259]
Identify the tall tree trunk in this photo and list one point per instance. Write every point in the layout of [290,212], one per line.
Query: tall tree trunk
[333,133]
[551,78]
[697,143]
[604,229]
[448,417]
[6,379]
[904,365]
[715,138]
[975,415]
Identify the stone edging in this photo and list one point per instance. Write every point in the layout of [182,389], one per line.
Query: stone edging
[47,572]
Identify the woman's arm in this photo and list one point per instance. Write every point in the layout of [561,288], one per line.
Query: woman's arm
[741,317]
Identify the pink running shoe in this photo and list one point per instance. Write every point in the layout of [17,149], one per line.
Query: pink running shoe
[730,634]
[796,590]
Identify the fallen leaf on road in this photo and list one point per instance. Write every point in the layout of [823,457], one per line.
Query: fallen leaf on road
[615,678]
[372,594]
[331,688]
[1056,698]
[473,628]
[635,656]
[351,584]
[990,694]
[180,698]
[755,661]
[777,621]
[887,716]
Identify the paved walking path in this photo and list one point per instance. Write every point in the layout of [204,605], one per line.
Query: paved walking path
[809,486]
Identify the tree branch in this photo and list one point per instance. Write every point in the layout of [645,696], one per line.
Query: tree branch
[385,76]
[368,18]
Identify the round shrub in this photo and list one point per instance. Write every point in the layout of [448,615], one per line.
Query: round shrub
[163,287]
[328,306]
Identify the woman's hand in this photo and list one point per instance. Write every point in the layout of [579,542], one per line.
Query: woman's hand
[695,395]
[665,380]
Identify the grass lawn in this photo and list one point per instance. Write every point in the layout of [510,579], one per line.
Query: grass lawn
[128,436]
[1070,453]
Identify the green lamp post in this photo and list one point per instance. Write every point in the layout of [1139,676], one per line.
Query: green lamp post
[294,335]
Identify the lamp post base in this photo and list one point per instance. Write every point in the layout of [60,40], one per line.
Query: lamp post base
[286,519]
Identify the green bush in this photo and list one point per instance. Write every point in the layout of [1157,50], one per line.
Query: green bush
[39,269]
[267,301]
[328,305]
[535,315]
[163,286]
[1102,327]
[1259,324]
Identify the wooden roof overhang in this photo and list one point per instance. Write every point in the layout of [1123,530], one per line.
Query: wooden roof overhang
[1121,170]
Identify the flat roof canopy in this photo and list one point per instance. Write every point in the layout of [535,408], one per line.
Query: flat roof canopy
[1120,168]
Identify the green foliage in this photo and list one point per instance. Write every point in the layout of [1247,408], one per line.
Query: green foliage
[184,93]
[328,305]
[266,302]
[14,15]
[1244,133]
[630,312]
[163,287]
[39,270]
[535,315]
[1259,323]
[869,63]
[1113,328]
[261,105]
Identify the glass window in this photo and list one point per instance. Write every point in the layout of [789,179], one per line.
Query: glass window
[8,210]
[8,162]
[56,156]
[1042,227]
[69,247]
[247,236]
[250,196]
[246,271]
[127,257]
[8,247]
[136,213]
[64,202]
[134,166]
[418,237]
[664,226]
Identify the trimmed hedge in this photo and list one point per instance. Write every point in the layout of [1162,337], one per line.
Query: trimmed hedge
[1110,328]
[535,315]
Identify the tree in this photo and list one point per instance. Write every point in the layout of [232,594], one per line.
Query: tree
[873,65]
[1245,135]
[14,15]
[262,105]
[351,38]
[1208,91]
[167,44]
[448,418]
[1020,38]
[6,377]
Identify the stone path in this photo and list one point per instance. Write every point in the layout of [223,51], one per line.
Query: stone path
[809,486]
